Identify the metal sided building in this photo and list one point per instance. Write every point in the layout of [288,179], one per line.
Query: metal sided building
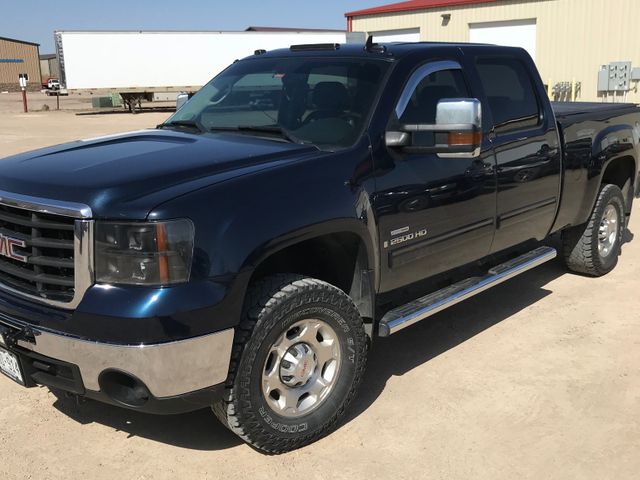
[16,57]
[586,50]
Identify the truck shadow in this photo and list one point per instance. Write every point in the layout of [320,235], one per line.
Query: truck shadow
[198,430]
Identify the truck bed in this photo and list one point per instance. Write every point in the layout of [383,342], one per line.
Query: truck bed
[592,134]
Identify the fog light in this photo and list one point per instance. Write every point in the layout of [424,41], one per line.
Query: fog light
[124,388]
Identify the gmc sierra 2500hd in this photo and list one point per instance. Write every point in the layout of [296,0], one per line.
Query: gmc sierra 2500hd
[246,253]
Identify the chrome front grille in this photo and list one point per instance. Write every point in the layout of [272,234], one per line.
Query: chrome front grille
[45,249]
[44,266]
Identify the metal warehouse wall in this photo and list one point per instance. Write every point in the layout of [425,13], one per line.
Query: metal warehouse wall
[574,37]
[30,64]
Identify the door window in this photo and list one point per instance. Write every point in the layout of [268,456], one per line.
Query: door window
[423,103]
[510,92]
[422,95]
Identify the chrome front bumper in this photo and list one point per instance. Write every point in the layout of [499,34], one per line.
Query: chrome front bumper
[167,369]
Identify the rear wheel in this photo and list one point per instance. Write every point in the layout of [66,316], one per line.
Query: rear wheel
[298,358]
[594,248]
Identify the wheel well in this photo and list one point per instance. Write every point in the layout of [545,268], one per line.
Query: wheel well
[619,171]
[339,259]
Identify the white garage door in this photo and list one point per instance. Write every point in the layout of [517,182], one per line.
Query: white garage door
[388,36]
[517,33]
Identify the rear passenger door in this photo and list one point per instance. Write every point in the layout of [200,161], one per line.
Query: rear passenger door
[526,145]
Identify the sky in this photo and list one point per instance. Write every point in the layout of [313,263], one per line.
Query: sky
[35,21]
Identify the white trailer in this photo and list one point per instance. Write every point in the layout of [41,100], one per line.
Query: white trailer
[139,64]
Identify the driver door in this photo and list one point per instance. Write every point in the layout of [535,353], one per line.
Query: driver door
[434,213]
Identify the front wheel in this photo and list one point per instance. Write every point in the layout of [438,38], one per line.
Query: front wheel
[594,248]
[298,358]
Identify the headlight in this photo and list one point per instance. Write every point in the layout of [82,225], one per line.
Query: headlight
[149,253]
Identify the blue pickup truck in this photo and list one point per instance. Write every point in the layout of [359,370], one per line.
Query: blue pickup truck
[245,254]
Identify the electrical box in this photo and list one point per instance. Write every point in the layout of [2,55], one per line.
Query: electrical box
[635,75]
[603,79]
[619,76]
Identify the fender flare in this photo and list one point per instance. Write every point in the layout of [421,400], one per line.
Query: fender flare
[601,160]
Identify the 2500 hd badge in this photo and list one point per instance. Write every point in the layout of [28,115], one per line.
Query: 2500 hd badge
[404,238]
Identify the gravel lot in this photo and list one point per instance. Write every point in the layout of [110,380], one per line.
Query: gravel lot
[537,378]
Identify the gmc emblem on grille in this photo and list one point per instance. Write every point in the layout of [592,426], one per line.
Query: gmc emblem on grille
[8,245]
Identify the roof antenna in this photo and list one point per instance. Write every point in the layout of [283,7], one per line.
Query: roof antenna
[374,47]
[369,44]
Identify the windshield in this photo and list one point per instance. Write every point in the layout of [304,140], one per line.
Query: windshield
[319,101]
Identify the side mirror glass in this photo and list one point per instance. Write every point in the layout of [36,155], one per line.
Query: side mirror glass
[457,132]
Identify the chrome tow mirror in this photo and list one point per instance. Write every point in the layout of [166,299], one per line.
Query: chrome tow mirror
[181,99]
[457,132]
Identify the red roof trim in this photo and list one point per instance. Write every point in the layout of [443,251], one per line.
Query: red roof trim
[414,5]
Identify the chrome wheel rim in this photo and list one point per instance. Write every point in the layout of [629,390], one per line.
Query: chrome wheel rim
[608,232]
[301,368]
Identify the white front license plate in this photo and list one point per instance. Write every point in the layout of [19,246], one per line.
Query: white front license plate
[10,366]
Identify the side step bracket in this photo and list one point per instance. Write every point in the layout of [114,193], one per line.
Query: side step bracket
[424,307]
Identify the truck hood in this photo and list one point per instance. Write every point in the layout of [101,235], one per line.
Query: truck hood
[125,176]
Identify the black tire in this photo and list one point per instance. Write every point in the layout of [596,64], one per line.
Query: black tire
[580,244]
[273,307]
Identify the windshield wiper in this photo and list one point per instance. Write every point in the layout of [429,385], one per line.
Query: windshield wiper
[183,123]
[269,129]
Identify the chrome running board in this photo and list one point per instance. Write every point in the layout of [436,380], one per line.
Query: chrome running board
[424,307]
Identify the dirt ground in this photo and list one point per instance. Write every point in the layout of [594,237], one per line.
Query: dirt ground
[76,119]
[537,378]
